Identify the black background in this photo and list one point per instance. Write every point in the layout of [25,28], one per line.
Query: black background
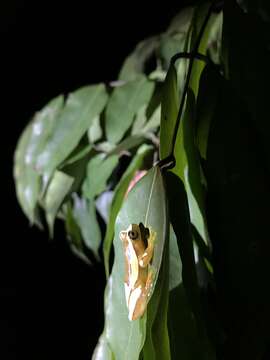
[51,303]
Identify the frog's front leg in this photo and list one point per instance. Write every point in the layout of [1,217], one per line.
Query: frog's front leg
[146,257]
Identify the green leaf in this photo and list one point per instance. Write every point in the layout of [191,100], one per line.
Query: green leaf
[127,144]
[105,146]
[140,120]
[171,45]
[79,153]
[215,38]
[142,125]
[135,62]
[157,344]
[181,22]
[188,167]
[124,103]
[154,121]
[27,180]
[57,190]
[184,338]
[99,169]
[40,132]
[148,117]
[157,75]
[74,234]
[200,14]
[169,111]
[81,108]
[186,315]
[175,273]
[85,215]
[43,127]
[30,144]
[76,166]
[95,131]
[103,204]
[187,160]
[145,203]
[102,350]
[179,216]
[206,104]
[118,199]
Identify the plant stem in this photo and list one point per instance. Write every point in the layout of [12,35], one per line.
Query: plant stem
[193,55]
[190,55]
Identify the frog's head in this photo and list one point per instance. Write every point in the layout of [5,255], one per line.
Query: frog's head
[138,235]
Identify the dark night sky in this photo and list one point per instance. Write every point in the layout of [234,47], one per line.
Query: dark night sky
[51,303]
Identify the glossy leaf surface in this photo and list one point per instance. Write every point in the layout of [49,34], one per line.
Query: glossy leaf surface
[175,273]
[188,167]
[134,64]
[74,234]
[118,198]
[186,312]
[123,104]
[30,145]
[81,108]
[85,215]
[27,179]
[99,169]
[169,111]
[144,203]
[206,105]
[57,189]
[95,130]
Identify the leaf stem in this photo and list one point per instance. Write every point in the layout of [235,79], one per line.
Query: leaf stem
[192,55]
[169,162]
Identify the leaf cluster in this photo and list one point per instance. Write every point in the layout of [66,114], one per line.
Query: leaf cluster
[79,157]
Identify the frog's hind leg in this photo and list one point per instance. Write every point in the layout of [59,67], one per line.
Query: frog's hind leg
[136,307]
[127,293]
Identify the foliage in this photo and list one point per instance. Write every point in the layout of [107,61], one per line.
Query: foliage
[202,110]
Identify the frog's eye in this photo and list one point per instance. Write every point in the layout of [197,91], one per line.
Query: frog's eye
[133,234]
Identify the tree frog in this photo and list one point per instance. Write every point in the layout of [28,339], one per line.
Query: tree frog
[138,243]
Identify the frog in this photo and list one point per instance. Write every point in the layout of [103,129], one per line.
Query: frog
[138,245]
